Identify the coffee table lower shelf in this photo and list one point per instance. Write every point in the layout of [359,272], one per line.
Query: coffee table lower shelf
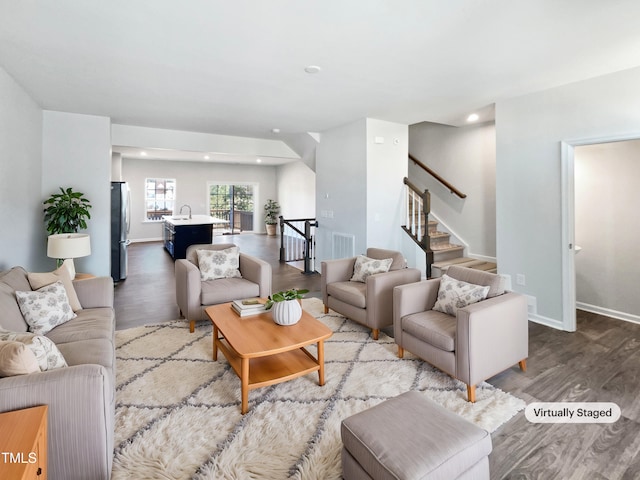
[272,369]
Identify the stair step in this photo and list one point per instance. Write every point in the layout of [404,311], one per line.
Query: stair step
[440,268]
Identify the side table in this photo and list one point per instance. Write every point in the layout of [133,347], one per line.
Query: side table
[23,443]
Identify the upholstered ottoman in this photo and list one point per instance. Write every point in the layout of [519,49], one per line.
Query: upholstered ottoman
[410,437]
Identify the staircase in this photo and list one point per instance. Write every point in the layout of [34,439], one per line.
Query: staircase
[439,250]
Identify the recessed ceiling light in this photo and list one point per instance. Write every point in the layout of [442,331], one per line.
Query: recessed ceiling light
[207,157]
[312,69]
[259,160]
[143,154]
[275,130]
[473,117]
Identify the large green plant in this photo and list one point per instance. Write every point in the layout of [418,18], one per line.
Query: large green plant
[66,212]
[271,211]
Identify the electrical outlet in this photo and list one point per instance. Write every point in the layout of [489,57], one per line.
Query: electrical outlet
[520,279]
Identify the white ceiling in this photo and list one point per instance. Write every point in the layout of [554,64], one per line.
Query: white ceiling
[237,67]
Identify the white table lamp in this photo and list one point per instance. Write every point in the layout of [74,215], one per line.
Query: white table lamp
[67,246]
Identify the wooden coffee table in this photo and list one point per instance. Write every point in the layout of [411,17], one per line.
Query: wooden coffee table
[263,353]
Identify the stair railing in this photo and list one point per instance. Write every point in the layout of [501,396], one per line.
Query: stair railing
[418,207]
[451,188]
[297,242]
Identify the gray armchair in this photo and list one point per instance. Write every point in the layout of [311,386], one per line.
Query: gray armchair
[193,295]
[483,339]
[369,302]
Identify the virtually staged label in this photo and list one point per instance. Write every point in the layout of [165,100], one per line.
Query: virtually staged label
[572,412]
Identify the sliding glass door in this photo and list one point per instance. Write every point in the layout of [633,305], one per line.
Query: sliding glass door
[234,204]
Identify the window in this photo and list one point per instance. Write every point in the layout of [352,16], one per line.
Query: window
[233,203]
[160,195]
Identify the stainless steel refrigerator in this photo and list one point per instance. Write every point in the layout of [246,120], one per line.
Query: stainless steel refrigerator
[120,222]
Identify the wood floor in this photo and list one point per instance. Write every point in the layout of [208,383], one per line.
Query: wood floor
[598,363]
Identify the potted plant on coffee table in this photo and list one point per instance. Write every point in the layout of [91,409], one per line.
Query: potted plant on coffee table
[286,307]
[271,211]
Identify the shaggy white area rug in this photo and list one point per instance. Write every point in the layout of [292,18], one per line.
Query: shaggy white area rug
[178,412]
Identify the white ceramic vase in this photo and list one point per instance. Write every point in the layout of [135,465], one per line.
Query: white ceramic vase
[288,312]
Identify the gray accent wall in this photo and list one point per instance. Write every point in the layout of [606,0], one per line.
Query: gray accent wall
[23,235]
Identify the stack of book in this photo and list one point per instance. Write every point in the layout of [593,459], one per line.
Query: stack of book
[248,306]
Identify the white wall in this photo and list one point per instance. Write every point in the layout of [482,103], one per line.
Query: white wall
[296,187]
[191,188]
[341,190]
[76,153]
[529,130]
[606,227]
[23,238]
[386,169]
[466,158]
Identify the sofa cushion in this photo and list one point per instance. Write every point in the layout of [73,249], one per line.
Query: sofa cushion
[39,280]
[46,352]
[96,351]
[353,293]
[454,294]
[365,267]
[435,328]
[227,289]
[216,264]
[45,308]
[90,323]
[10,315]
[16,359]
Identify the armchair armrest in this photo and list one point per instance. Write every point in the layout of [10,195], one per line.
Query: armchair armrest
[339,270]
[380,294]
[415,297]
[491,335]
[188,288]
[258,271]
[95,292]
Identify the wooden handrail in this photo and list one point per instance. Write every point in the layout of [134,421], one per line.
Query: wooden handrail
[451,188]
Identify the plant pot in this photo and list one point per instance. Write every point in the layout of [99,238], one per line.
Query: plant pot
[288,312]
[271,229]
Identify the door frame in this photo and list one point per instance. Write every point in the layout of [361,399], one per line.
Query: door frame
[568,220]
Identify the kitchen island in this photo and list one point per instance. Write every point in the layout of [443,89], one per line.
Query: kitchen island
[180,231]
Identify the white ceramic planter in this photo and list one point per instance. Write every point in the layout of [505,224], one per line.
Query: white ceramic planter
[288,312]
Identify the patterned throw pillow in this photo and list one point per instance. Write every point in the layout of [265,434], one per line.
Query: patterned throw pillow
[16,359]
[39,280]
[454,294]
[46,352]
[216,264]
[366,266]
[45,308]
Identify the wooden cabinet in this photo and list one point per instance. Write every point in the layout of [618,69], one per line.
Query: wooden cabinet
[23,444]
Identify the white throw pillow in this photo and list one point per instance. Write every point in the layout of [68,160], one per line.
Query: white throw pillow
[39,280]
[16,359]
[454,294]
[45,308]
[365,267]
[46,352]
[216,264]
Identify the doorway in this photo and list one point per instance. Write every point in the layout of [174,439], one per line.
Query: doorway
[569,219]
[233,203]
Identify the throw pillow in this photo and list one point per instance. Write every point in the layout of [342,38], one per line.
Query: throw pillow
[45,351]
[45,308]
[16,359]
[39,280]
[216,264]
[454,294]
[365,267]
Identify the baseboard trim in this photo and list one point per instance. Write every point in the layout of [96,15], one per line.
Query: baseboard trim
[144,240]
[484,258]
[627,317]
[549,322]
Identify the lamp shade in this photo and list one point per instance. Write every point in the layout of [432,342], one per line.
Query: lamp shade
[68,245]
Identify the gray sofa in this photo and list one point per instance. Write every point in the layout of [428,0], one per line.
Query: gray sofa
[81,397]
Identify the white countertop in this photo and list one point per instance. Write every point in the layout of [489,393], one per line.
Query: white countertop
[179,220]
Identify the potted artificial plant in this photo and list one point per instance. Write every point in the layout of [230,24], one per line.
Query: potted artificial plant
[66,212]
[271,211]
[286,307]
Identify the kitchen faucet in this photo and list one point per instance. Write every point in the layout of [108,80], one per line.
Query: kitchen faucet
[189,207]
